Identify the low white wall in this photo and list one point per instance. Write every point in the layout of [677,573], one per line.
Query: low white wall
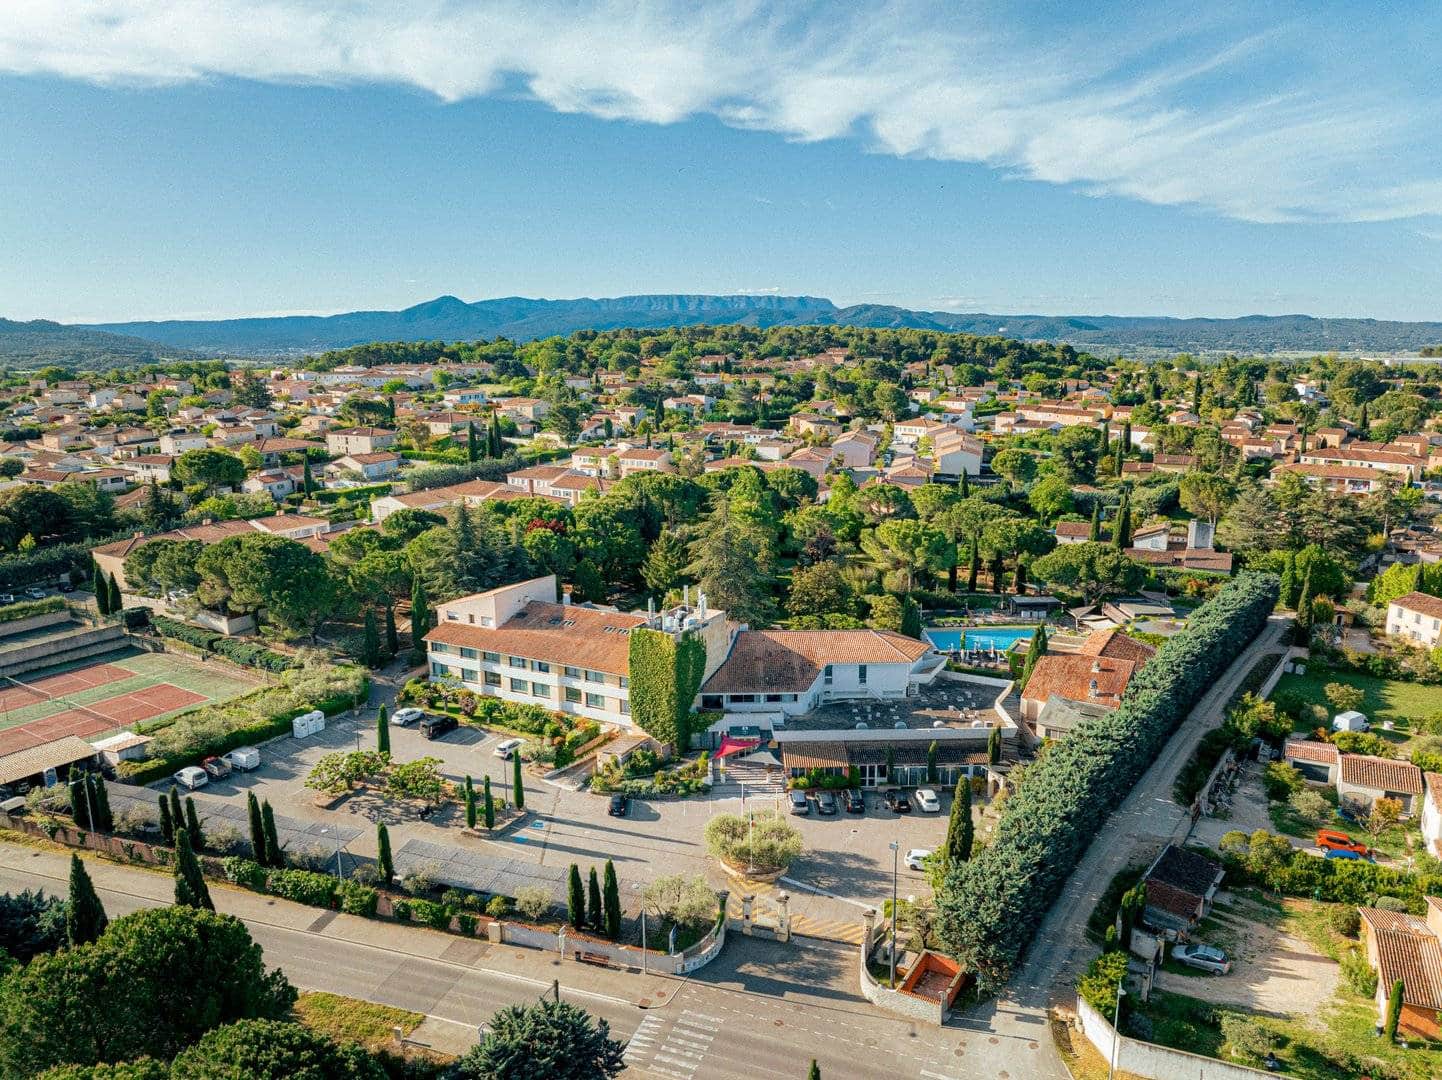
[894,1001]
[34,622]
[1152,1061]
[1270,682]
[693,959]
[1004,687]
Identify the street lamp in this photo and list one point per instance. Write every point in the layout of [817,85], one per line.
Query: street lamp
[1116,1032]
[895,853]
[338,874]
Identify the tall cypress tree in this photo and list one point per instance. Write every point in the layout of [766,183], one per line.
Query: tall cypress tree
[384,864]
[470,804]
[473,451]
[1096,530]
[307,481]
[1122,536]
[167,823]
[518,792]
[595,916]
[257,829]
[931,762]
[611,902]
[383,731]
[489,804]
[576,899]
[974,567]
[993,746]
[117,602]
[192,824]
[420,622]
[393,639]
[190,887]
[101,588]
[370,641]
[1287,595]
[103,819]
[498,447]
[177,812]
[960,832]
[85,918]
[80,802]
[273,851]
[965,485]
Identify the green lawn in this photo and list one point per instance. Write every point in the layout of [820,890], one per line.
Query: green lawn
[1403,703]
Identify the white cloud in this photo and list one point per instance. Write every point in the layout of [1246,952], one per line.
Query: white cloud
[1230,117]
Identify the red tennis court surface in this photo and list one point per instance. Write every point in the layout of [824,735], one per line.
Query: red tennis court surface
[99,716]
[69,682]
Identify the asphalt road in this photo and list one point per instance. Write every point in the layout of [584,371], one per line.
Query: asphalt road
[761,1010]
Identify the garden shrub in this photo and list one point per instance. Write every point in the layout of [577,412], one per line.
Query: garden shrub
[991,904]
[358,899]
[437,916]
[498,907]
[27,609]
[246,872]
[1345,920]
[1098,984]
[467,923]
[401,909]
[304,887]
[1358,973]
[1281,781]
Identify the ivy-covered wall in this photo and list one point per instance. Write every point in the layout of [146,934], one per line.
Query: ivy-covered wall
[665,677]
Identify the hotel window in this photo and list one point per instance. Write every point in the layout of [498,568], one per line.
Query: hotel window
[469,654]
[541,666]
[470,675]
[540,689]
[493,678]
[491,657]
[520,686]
[861,674]
[438,669]
[595,676]
[826,678]
[571,672]
[625,682]
[595,701]
[625,706]
[711,701]
[573,695]
[440,646]
[773,697]
[518,661]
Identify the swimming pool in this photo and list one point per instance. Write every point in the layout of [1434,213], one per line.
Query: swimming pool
[985,638]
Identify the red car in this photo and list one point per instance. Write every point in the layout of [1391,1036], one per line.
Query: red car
[1332,840]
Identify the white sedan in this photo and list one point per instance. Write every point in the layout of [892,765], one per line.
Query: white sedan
[191,778]
[927,801]
[406,717]
[916,858]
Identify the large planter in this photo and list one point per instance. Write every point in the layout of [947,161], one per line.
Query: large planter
[757,876]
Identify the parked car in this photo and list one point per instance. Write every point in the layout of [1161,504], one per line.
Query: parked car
[433,727]
[216,768]
[1333,840]
[620,803]
[35,593]
[927,801]
[243,758]
[406,717]
[506,748]
[854,800]
[67,587]
[7,598]
[799,803]
[916,858]
[825,802]
[191,778]
[1344,853]
[897,802]
[1202,957]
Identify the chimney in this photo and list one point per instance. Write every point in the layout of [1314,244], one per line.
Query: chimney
[1096,669]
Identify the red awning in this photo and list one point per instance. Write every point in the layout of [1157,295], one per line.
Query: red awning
[735,746]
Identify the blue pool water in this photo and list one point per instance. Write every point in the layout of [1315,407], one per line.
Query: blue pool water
[1000,638]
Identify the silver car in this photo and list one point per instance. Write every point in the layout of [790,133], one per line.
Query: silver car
[1202,957]
[191,778]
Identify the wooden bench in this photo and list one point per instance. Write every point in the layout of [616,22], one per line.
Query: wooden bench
[599,959]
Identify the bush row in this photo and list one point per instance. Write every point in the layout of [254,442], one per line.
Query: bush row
[249,653]
[28,609]
[368,491]
[991,905]
[22,569]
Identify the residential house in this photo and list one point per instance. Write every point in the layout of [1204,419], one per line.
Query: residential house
[369,467]
[359,440]
[277,483]
[641,459]
[1181,887]
[855,449]
[1417,617]
[1097,674]
[1072,532]
[812,424]
[175,443]
[1404,948]
[954,452]
[1363,779]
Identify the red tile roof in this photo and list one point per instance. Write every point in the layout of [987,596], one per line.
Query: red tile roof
[566,634]
[1309,750]
[1422,603]
[788,661]
[1117,646]
[1381,774]
[1070,675]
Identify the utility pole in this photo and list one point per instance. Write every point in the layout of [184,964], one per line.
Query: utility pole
[895,852]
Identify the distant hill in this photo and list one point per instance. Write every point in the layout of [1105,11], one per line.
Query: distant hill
[447,318]
[41,343]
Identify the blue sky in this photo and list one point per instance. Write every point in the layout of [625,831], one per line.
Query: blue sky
[205,158]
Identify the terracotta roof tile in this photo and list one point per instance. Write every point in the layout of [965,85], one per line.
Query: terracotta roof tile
[788,661]
[556,633]
[1422,603]
[1309,750]
[1381,774]
[1070,675]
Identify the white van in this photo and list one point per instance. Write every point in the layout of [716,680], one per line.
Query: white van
[243,758]
[508,747]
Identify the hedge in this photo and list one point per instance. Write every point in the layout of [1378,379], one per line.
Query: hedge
[991,905]
[303,886]
[20,570]
[249,653]
[28,609]
[331,495]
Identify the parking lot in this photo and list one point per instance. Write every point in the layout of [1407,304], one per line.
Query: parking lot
[846,855]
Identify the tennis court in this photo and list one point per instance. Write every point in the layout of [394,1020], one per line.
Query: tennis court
[97,697]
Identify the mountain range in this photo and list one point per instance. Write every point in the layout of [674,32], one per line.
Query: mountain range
[448,318]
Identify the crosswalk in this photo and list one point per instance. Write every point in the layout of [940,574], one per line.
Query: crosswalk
[673,1052]
[849,931]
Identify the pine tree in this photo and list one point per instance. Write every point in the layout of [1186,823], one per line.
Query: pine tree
[192,824]
[488,804]
[167,823]
[595,917]
[190,888]
[101,588]
[370,641]
[393,639]
[993,746]
[518,792]
[117,602]
[1095,534]
[177,812]
[104,820]
[611,902]
[576,899]
[931,763]
[383,731]
[384,864]
[273,851]
[420,622]
[257,829]
[960,832]
[85,918]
